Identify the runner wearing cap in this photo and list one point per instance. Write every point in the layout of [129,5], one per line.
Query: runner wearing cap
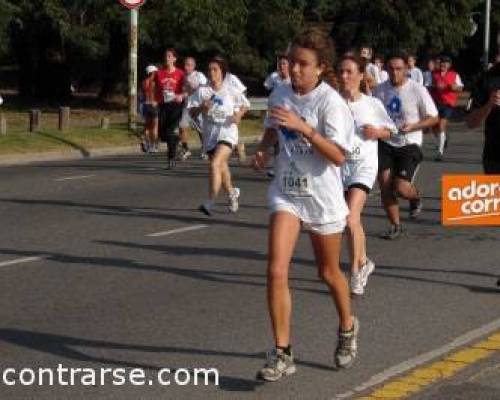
[150,111]
[315,129]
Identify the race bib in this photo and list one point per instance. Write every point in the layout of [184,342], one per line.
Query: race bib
[168,96]
[355,154]
[296,183]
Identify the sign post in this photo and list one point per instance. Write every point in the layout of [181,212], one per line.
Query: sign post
[133,6]
[487,17]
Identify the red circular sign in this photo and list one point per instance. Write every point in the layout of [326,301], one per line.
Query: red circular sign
[131,4]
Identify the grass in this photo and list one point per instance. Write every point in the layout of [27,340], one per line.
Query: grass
[84,133]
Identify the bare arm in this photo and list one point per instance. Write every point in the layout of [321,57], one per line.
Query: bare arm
[422,124]
[476,117]
[261,156]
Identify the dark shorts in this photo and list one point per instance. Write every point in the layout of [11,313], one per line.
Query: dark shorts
[150,111]
[402,161]
[445,112]
[211,152]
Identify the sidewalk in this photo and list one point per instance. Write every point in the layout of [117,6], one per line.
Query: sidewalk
[24,159]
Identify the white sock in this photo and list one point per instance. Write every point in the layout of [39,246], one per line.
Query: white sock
[442,140]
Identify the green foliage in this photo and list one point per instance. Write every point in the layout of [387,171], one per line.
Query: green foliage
[88,38]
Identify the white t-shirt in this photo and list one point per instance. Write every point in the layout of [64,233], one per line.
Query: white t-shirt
[218,124]
[368,111]
[304,177]
[416,74]
[194,80]
[428,79]
[374,71]
[384,76]
[274,80]
[235,82]
[407,104]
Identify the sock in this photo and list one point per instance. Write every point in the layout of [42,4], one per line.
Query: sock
[442,140]
[287,350]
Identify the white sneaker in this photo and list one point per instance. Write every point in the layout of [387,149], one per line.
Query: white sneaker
[366,271]
[233,200]
[186,155]
[356,283]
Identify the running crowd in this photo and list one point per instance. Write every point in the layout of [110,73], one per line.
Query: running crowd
[333,128]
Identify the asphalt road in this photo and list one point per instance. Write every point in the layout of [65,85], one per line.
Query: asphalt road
[107,263]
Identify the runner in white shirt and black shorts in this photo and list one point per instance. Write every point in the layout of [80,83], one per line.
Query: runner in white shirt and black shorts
[221,107]
[412,109]
[315,130]
[192,81]
[359,172]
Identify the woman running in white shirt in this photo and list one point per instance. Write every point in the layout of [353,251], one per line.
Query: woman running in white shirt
[360,169]
[221,107]
[315,130]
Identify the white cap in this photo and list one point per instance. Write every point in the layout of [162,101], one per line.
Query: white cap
[151,68]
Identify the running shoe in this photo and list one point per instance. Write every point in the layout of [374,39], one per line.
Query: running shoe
[394,232]
[270,173]
[278,364]
[185,155]
[347,346]
[356,283]
[233,200]
[205,209]
[171,163]
[416,207]
[203,156]
[366,270]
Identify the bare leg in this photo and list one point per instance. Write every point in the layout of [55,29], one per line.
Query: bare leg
[327,253]
[389,200]
[356,199]
[283,233]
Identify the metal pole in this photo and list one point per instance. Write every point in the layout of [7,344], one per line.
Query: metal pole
[132,80]
[486,54]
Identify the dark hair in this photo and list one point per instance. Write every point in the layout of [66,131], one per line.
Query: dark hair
[398,55]
[282,56]
[222,63]
[361,64]
[171,50]
[322,44]
[379,57]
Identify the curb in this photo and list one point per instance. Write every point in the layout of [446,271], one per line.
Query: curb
[70,155]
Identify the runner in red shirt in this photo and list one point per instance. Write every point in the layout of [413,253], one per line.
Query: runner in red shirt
[446,86]
[169,85]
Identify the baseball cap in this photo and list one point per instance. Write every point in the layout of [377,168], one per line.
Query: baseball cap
[150,69]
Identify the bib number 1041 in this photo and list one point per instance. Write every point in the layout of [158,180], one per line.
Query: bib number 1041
[298,186]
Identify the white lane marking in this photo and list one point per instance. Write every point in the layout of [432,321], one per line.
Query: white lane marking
[20,261]
[422,359]
[178,230]
[70,178]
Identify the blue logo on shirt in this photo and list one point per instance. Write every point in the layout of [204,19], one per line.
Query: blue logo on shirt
[394,106]
[217,100]
[288,134]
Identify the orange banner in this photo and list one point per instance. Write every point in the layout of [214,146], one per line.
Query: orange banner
[470,200]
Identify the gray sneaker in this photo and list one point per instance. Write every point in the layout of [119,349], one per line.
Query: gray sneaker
[366,270]
[278,364]
[394,232]
[347,346]
[234,200]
